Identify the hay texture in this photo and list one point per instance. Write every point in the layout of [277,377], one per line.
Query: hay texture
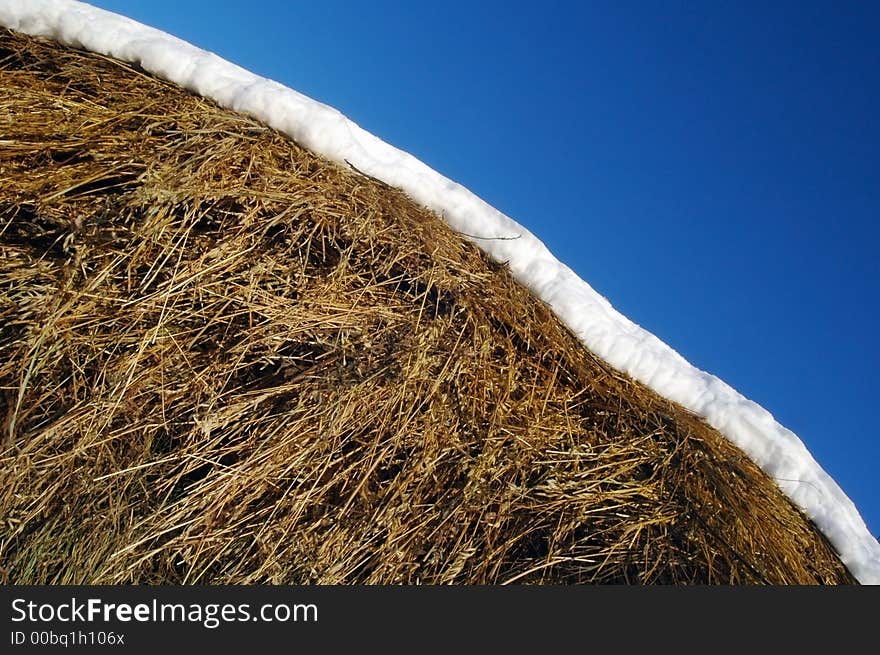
[225,360]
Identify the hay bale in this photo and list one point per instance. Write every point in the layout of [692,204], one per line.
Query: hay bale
[225,360]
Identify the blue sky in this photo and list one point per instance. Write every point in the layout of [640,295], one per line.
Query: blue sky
[712,168]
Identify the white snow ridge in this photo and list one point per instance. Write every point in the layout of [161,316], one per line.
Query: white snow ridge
[603,330]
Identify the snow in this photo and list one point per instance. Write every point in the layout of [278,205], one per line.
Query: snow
[603,330]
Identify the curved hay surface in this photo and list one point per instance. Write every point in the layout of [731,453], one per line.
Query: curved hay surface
[224,360]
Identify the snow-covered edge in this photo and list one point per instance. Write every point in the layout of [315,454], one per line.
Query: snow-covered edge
[602,329]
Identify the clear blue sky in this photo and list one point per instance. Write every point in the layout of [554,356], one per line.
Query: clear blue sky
[712,168]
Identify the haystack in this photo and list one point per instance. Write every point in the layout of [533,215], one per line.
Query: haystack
[224,359]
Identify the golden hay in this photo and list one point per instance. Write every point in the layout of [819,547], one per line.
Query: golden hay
[225,360]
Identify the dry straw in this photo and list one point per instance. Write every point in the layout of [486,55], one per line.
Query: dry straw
[225,360]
